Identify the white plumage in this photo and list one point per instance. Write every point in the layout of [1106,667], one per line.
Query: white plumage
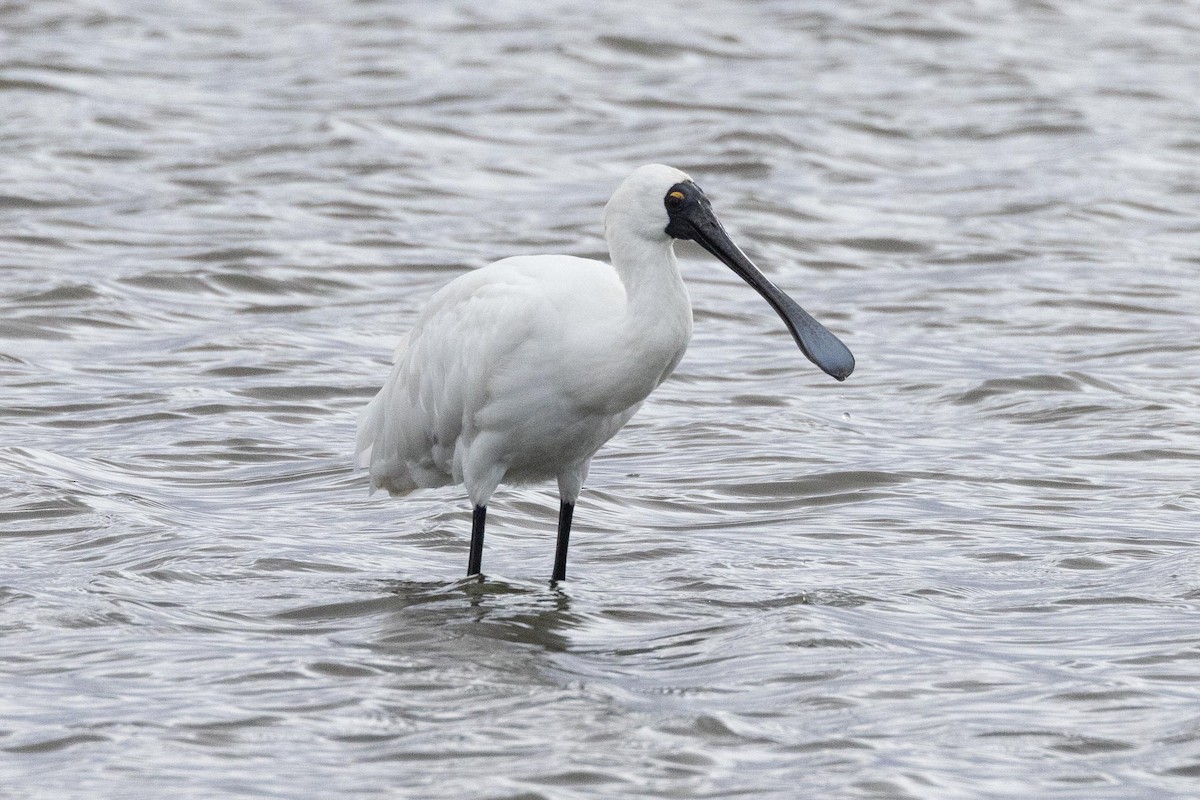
[521,370]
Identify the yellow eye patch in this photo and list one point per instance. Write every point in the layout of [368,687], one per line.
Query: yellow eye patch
[676,195]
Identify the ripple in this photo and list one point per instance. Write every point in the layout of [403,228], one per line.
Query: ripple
[213,239]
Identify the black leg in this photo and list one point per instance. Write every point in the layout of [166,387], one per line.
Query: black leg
[475,559]
[565,512]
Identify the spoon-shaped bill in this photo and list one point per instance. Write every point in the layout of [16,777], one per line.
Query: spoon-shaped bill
[697,222]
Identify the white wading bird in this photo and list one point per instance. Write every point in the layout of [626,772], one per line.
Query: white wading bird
[520,371]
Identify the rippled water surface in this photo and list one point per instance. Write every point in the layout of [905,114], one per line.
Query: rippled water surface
[969,571]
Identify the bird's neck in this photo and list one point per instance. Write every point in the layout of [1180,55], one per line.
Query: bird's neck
[650,274]
[658,311]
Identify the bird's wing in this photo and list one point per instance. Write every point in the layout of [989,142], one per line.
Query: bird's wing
[462,349]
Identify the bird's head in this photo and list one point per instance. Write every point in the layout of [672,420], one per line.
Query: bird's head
[657,204]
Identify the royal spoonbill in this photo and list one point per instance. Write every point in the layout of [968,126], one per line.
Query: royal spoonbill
[519,371]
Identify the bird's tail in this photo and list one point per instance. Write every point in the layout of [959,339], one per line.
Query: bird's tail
[372,422]
[364,444]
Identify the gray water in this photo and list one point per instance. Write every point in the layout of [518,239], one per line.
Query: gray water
[970,571]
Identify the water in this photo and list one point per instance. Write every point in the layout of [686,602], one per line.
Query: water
[968,572]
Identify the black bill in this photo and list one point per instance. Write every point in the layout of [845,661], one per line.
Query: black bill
[692,218]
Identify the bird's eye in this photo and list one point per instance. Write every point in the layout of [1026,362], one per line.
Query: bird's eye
[675,199]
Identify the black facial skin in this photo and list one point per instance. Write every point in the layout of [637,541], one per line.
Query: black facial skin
[691,217]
